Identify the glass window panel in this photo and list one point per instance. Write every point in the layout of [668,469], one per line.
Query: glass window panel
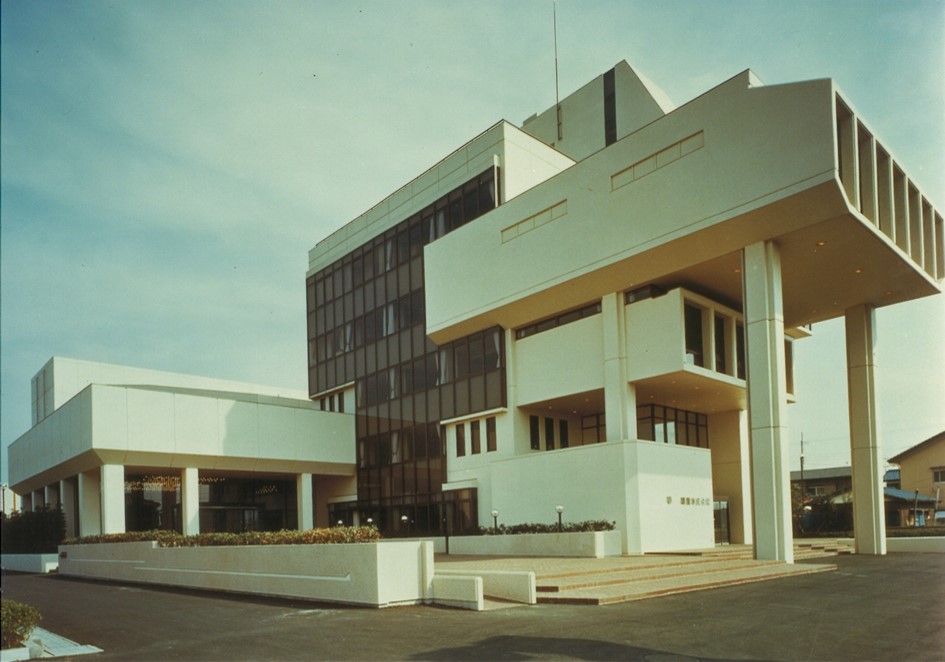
[490,434]
[534,432]
[474,437]
[549,434]
[460,440]
[563,433]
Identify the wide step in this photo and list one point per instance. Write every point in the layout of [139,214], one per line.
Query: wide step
[651,585]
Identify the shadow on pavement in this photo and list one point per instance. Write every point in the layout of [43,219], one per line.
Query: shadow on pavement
[530,648]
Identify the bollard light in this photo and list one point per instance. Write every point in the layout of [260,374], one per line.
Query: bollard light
[559,510]
[495,520]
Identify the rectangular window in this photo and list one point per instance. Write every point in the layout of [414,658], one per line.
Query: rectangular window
[740,350]
[938,475]
[490,434]
[474,437]
[534,430]
[693,320]
[610,108]
[563,432]
[549,434]
[720,345]
[460,440]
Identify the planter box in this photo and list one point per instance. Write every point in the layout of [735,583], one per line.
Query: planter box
[369,574]
[593,544]
[39,563]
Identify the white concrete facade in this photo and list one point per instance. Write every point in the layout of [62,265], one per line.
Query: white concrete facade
[80,456]
[666,263]
[643,271]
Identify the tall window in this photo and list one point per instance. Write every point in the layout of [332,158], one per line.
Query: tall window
[460,439]
[720,345]
[534,432]
[549,434]
[694,347]
[474,437]
[563,432]
[490,434]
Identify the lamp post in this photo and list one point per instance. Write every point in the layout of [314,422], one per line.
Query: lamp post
[559,510]
[370,521]
[340,523]
[495,520]
[403,522]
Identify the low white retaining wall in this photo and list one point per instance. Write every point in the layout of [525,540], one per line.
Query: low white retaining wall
[371,574]
[512,585]
[456,591]
[594,544]
[41,563]
[931,544]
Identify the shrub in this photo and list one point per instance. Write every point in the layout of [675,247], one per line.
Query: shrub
[33,532]
[334,535]
[17,621]
[566,527]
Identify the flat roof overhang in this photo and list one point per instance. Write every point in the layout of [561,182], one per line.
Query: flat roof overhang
[832,259]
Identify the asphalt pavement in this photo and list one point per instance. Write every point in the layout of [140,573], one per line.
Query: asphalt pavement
[871,608]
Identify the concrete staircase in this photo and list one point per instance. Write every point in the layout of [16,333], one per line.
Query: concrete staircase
[727,566]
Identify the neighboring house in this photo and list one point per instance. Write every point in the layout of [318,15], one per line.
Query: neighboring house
[922,471]
[823,482]
[891,478]
[559,314]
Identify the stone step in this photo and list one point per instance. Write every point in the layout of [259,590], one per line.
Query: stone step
[668,585]
[624,576]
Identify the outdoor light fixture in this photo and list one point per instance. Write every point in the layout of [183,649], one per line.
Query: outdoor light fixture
[340,522]
[404,522]
[559,510]
[370,521]
[495,520]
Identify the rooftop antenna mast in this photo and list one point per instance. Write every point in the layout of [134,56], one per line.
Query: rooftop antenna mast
[554,14]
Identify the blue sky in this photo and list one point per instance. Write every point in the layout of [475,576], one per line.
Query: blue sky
[166,166]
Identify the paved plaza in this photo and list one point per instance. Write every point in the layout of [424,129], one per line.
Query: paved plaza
[871,608]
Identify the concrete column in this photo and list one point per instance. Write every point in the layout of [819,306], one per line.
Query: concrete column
[51,496]
[67,494]
[767,402]
[190,501]
[869,515]
[90,503]
[39,499]
[620,407]
[305,506]
[113,498]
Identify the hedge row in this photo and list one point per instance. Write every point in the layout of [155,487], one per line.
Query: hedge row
[539,527]
[17,621]
[334,535]
[32,532]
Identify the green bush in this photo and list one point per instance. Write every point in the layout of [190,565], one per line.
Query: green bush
[334,535]
[533,527]
[915,532]
[32,532]
[17,621]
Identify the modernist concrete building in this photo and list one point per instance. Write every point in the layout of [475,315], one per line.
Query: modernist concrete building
[593,311]
[596,310]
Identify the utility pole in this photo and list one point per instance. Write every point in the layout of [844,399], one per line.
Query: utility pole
[803,484]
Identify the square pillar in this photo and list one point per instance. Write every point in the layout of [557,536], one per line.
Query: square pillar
[620,408]
[67,497]
[51,496]
[305,506]
[869,515]
[767,402]
[90,503]
[113,498]
[190,501]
